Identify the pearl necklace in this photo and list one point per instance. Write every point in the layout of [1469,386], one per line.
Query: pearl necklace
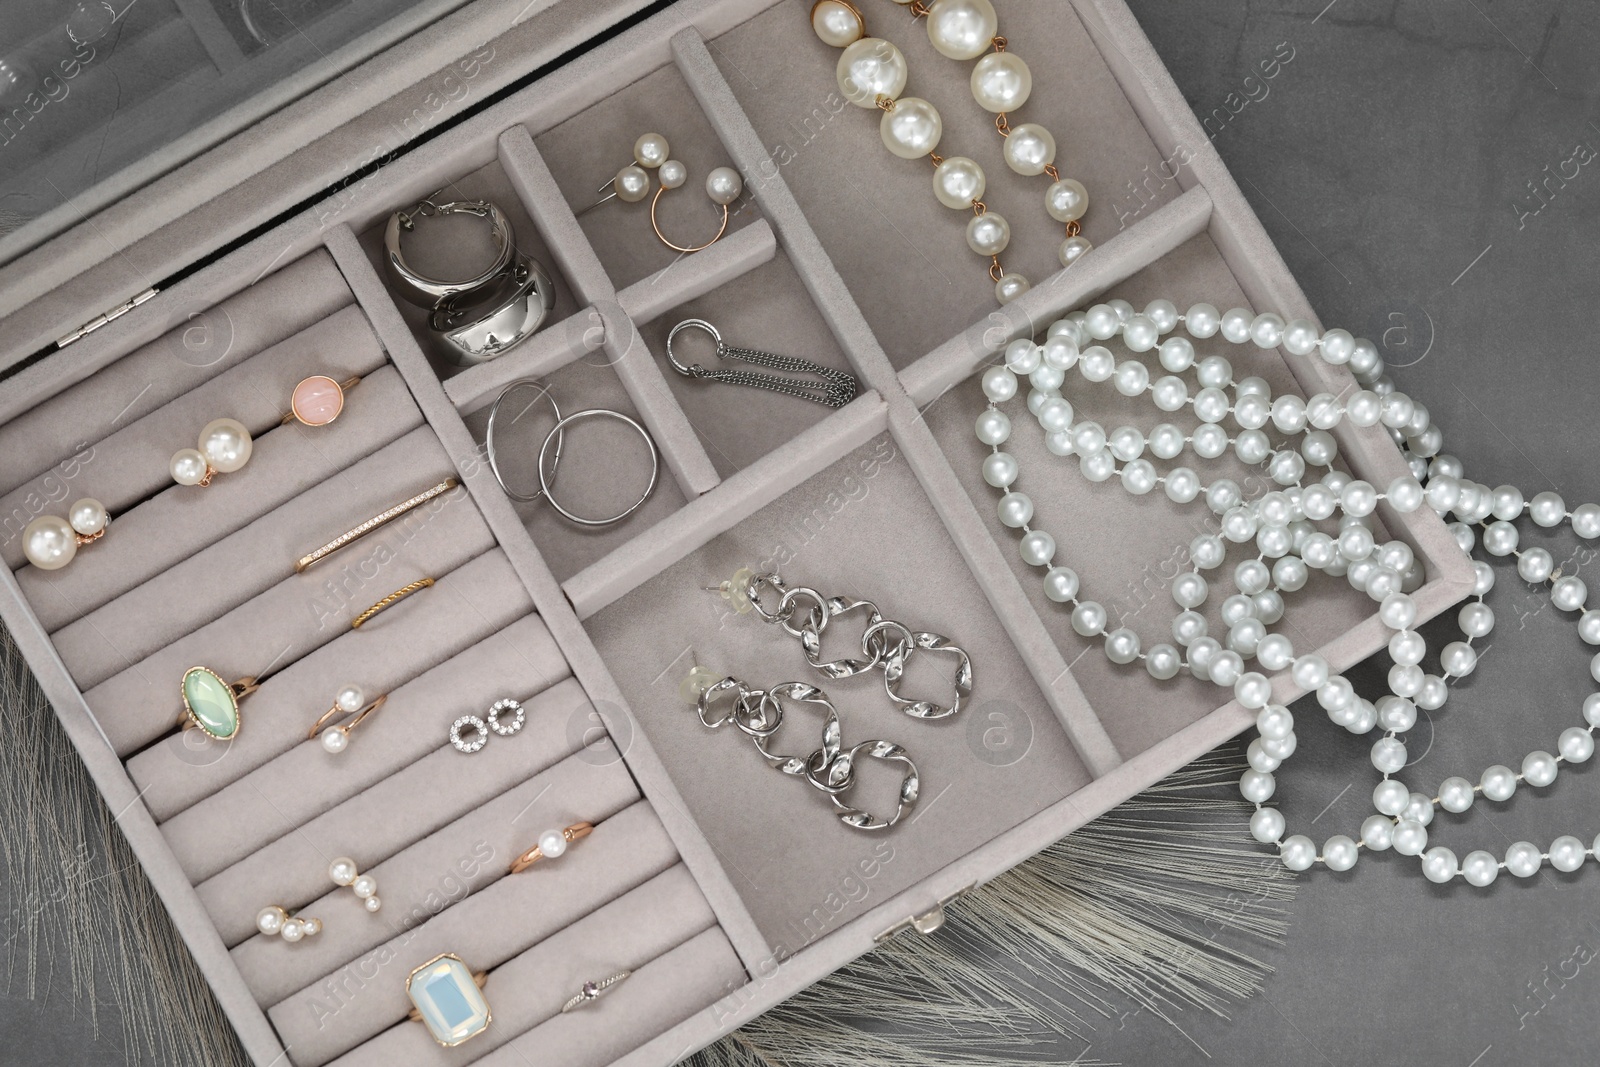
[872,72]
[1281,524]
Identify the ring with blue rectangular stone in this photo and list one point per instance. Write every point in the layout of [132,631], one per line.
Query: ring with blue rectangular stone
[448,999]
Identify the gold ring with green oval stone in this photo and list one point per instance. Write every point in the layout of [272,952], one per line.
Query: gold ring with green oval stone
[211,704]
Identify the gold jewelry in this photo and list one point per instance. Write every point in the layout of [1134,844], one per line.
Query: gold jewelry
[50,542]
[393,598]
[632,184]
[350,701]
[552,843]
[373,523]
[317,400]
[448,999]
[211,704]
[274,921]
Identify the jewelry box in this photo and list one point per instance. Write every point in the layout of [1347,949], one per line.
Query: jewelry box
[717,886]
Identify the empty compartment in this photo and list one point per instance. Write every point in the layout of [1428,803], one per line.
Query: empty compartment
[587,150]
[902,254]
[861,528]
[461,245]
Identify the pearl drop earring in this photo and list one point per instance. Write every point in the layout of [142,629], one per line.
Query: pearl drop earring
[276,922]
[225,447]
[632,184]
[343,872]
[50,542]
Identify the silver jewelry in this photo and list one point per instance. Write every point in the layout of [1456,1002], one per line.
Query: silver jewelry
[481,324]
[835,388]
[759,713]
[428,292]
[343,872]
[886,645]
[548,461]
[498,708]
[469,745]
[592,991]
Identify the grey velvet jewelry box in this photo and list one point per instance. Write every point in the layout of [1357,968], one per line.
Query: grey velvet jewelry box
[724,887]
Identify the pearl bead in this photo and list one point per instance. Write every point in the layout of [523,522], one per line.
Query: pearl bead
[1298,852]
[1009,287]
[1539,769]
[988,234]
[871,68]
[836,24]
[673,173]
[1523,859]
[1226,668]
[292,930]
[1037,548]
[993,427]
[1256,786]
[49,542]
[1591,709]
[1266,330]
[1566,853]
[1498,783]
[958,181]
[188,466]
[1310,672]
[552,843]
[372,904]
[1066,200]
[1163,662]
[1456,794]
[1586,521]
[1122,646]
[1535,565]
[1088,618]
[1589,627]
[1390,797]
[1340,853]
[1016,509]
[1439,865]
[270,921]
[1076,246]
[1139,477]
[912,128]
[1389,755]
[1183,485]
[88,516]
[632,184]
[1023,356]
[1410,837]
[1061,584]
[1000,469]
[335,740]
[1001,81]
[1576,744]
[1266,825]
[723,185]
[1569,592]
[1030,149]
[1480,868]
[962,29]
[1252,690]
[365,886]
[1476,619]
[1377,833]
[1458,659]
[1419,808]
[1060,353]
[342,870]
[312,927]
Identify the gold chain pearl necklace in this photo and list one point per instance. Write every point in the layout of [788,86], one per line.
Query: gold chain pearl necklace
[872,73]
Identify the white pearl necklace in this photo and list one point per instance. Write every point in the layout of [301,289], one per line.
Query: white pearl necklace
[872,73]
[1281,523]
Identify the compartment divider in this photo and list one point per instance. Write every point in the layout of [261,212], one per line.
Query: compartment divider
[737,254]
[746,492]
[1129,252]
[778,205]
[531,178]
[549,599]
[544,353]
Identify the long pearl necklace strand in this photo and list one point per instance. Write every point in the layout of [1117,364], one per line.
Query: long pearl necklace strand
[872,72]
[1281,523]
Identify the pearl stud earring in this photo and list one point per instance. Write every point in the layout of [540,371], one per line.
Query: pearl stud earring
[276,922]
[50,542]
[343,872]
[225,447]
[632,184]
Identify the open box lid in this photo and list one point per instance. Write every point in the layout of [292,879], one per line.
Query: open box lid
[299,117]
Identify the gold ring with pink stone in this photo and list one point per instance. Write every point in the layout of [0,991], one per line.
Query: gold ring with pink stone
[317,400]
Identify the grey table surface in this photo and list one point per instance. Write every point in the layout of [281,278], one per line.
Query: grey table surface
[1425,168]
